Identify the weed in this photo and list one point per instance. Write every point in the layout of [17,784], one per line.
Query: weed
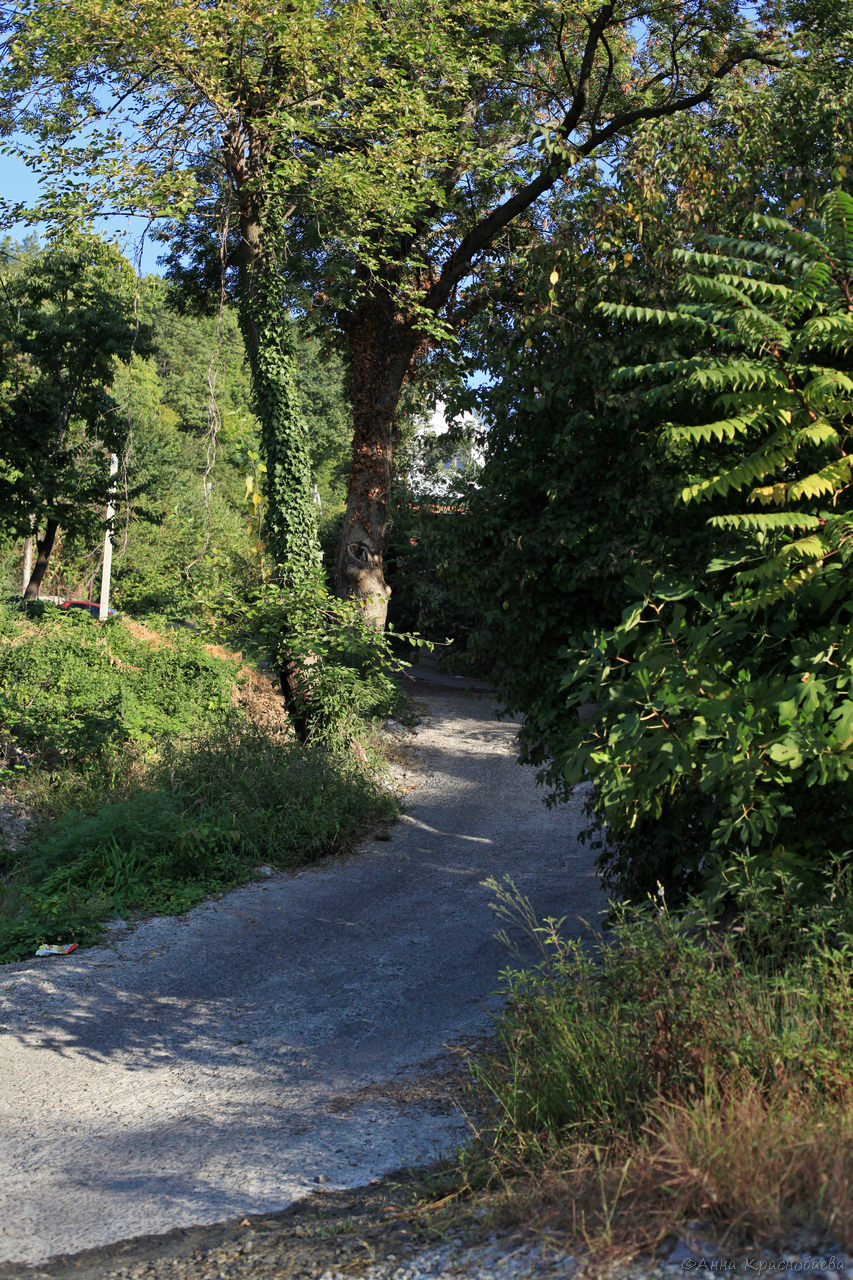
[344,1227]
[153,791]
[72,693]
[760,1163]
[211,810]
[674,1070]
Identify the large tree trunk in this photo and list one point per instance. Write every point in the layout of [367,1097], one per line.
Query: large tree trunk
[290,525]
[44,547]
[382,348]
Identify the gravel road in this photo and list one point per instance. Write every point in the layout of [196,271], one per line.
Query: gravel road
[290,1036]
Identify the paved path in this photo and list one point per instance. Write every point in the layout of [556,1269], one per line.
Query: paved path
[291,1033]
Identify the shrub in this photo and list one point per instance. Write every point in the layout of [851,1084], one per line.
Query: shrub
[72,690]
[593,1038]
[673,1071]
[343,666]
[159,791]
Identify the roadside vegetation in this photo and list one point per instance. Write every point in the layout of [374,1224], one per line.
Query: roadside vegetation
[156,770]
[660,539]
[629,272]
[150,760]
[693,1063]
[675,1071]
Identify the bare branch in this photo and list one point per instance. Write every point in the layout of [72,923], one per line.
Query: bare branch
[608,77]
[575,112]
[676,69]
[562,55]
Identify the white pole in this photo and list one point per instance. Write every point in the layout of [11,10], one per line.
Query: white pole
[28,563]
[104,605]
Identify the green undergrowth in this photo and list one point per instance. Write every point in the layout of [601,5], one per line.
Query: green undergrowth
[677,1070]
[72,690]
[201,821]
[154,791]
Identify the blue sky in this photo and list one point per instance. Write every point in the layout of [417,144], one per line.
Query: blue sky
[17,182]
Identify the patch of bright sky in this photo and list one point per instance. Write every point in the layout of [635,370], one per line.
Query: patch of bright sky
[19,183]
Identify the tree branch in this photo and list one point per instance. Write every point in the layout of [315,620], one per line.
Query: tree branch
[459,262]
[562,55]
[608,77]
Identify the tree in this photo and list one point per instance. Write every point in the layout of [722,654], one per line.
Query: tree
[721,746]
[186,348]
[373,154]
[575,494]
[67,319]
[192,340]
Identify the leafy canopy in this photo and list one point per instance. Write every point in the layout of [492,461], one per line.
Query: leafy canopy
[399,139]
[66,321]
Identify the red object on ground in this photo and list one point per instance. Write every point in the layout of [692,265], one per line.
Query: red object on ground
[92,605]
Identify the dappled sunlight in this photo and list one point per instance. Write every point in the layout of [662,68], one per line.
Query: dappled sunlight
[423,826]
[224,1160]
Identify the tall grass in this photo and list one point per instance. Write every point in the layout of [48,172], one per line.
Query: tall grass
[676,1070]
[200,821]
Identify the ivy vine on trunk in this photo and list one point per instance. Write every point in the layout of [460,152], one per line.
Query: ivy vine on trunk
[291,529]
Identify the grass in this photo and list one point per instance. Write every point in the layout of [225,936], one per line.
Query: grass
[675,1071]
[177,785]
[73,692]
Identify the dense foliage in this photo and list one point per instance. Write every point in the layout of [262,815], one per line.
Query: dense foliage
[579,553]
[70,690]
[243,119]
[192,503]
[723,716]
[155,772]
[66,319]
[669,1072]
[341,667]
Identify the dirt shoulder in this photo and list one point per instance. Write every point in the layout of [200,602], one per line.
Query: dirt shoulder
[332,1230]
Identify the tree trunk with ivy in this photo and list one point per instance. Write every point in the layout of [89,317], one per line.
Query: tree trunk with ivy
[382,346]
[290,526]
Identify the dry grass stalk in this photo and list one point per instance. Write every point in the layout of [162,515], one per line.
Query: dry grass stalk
[762,1166]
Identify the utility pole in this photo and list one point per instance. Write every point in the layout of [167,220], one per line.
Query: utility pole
[103,608]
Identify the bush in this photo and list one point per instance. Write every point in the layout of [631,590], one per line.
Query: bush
[72,691]
[343,666]
[159,790]
[592,1039]
[712,735]
[722,720]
